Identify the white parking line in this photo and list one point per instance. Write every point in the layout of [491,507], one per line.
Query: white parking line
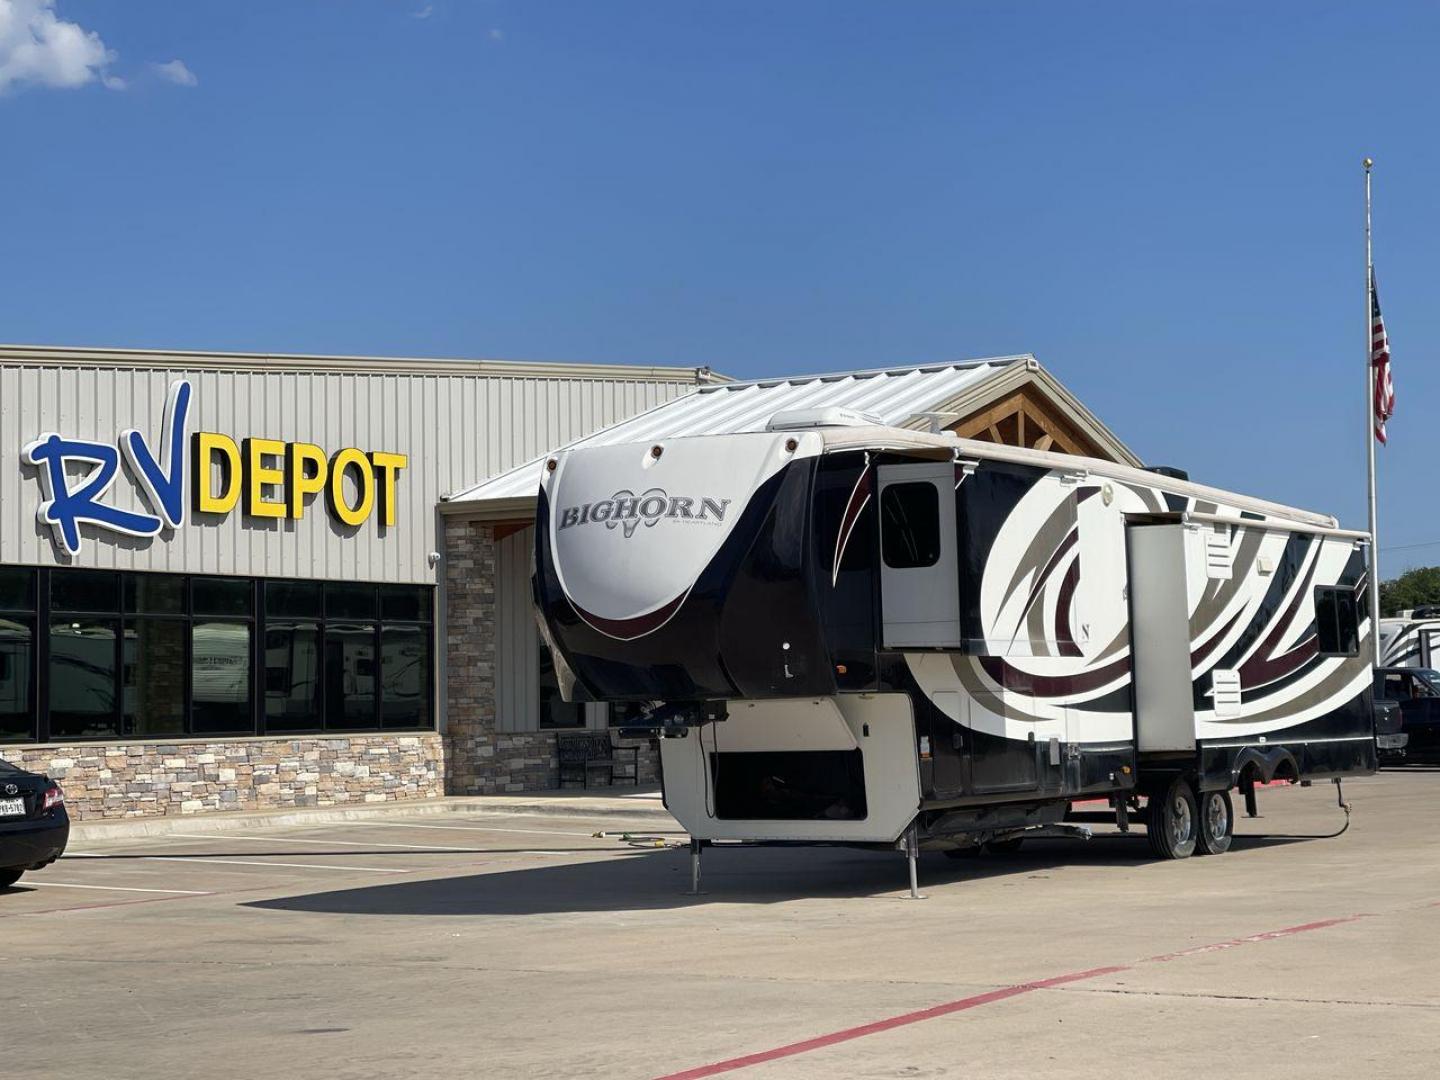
[302,840]
[480,828]
[114,888]
[236,862]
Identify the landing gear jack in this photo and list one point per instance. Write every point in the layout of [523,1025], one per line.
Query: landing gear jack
[696,846]
[910,844]
[1252,807]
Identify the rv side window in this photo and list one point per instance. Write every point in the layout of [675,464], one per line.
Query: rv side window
[910,526]
[1337,621]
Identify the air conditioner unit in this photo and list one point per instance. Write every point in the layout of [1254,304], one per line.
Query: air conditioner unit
[832,416]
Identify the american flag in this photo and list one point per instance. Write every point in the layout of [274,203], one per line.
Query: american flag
[1380,364]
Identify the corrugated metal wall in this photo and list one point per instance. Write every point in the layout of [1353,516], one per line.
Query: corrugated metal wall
[517,641]
[456,429]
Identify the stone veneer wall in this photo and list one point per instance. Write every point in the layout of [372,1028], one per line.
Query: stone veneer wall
[479,759]
[198,776]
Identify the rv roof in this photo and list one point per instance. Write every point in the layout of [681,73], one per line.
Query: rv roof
[904,440]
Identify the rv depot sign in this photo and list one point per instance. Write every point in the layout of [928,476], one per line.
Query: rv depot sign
[267,478]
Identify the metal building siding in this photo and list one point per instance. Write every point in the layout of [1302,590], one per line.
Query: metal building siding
[517,644]
[456,429]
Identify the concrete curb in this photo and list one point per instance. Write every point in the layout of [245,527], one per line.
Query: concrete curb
[645,812]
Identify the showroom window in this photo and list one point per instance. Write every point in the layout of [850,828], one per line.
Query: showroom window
[103,654]
[17,654]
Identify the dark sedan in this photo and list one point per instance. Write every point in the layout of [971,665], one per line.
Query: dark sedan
[33,824]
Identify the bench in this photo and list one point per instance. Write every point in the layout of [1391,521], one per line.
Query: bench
[584,752]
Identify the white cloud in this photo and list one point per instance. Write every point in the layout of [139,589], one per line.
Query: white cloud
[39,47]
[423,13]
[176,72]
[496,34]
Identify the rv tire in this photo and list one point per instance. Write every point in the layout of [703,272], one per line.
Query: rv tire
[1172,820]
[1216,823]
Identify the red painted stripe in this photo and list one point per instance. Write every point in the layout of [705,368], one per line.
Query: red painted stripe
[846,1035]
[791,1049]
[1268,935]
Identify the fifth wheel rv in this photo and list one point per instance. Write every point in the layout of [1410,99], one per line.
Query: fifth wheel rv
[1413,640]
[868,635]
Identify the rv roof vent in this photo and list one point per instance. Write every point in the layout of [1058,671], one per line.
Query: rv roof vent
[831,416]
[1168,470]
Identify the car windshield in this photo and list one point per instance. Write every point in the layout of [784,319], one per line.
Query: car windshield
[1431,678]
[6,767]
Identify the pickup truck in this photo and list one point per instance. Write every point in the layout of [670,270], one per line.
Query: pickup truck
[1417,692]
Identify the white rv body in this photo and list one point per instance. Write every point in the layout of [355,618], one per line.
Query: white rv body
[915,635]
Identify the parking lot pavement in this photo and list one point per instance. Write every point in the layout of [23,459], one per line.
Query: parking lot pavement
[520,945]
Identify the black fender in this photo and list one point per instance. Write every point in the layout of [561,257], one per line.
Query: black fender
[1268,763]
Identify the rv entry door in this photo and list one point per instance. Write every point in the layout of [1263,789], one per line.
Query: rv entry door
[919,568]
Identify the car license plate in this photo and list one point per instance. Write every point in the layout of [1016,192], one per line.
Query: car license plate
[12,808]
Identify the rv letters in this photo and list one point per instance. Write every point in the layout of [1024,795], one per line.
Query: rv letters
[268,478]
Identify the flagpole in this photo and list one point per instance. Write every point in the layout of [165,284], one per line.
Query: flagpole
[1374,589]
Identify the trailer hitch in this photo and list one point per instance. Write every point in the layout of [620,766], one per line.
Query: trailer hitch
[674,719]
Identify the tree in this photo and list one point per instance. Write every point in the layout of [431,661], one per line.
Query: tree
[1410,590]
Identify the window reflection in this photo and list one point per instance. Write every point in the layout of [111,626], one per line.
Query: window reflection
[153,686]
[220,677]
[349,675]
[17,650]
[405,675]
[83,677]
[292,676]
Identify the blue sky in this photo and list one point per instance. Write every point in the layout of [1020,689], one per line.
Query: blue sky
[1161,201]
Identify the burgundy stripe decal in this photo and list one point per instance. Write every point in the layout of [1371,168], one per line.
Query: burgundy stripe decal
[639,626]
[1064,632]
[858,498]
[1071,539]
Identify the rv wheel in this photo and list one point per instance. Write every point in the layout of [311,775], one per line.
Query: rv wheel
[1217,823]
[1172,821]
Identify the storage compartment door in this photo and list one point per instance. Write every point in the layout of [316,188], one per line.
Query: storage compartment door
[1160,638]
[919,572]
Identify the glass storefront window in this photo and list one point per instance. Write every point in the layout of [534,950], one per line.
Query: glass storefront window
[293,599]
[82,677]
[346,600]
[292,676]
[349,676]
[87,654]
[221,596]
[153,677]
[220,678]
[17,651]
[155,594]
[84,590]
[408,602]
[17,589]
[404,676]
